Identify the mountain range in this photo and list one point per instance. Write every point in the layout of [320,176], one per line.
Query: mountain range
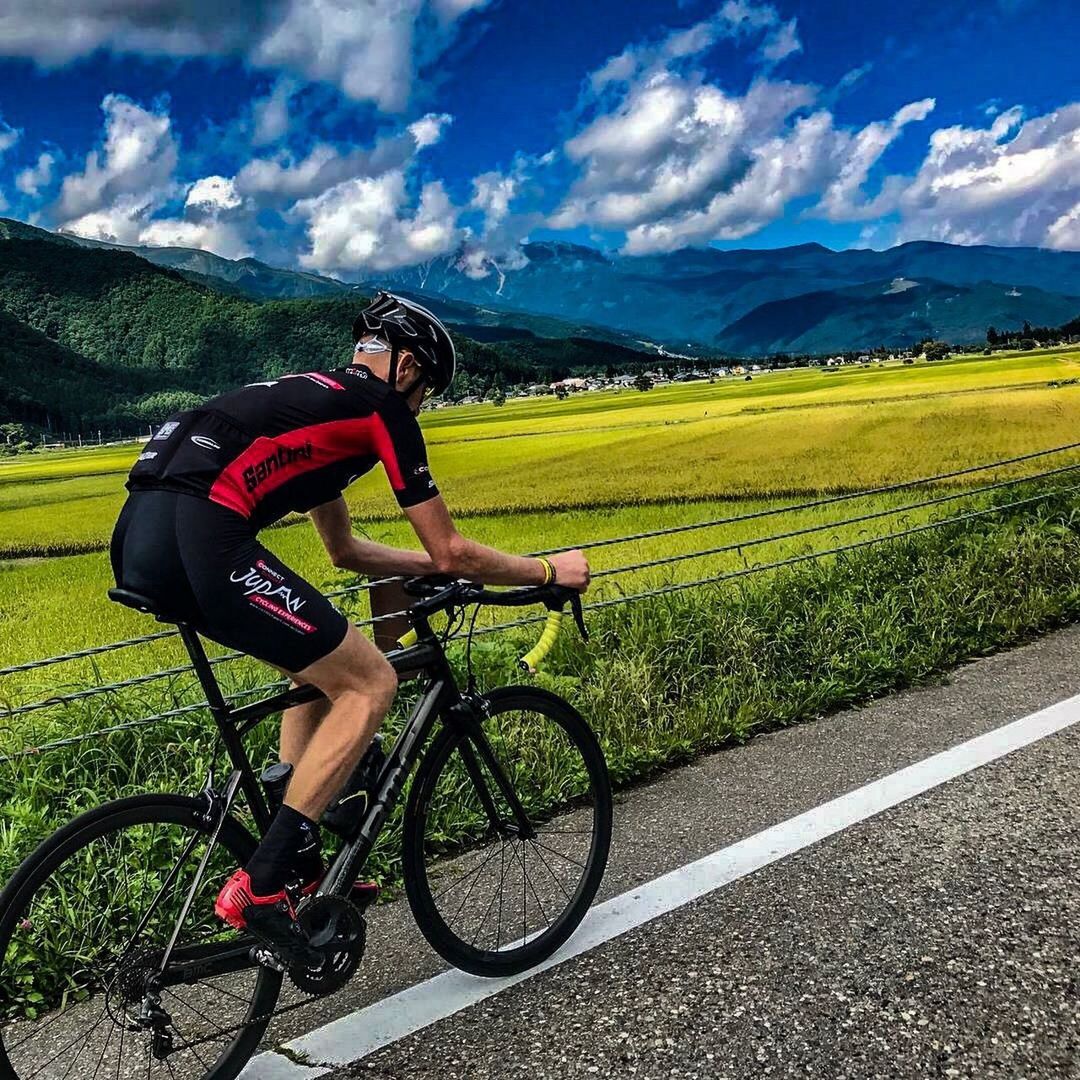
[794,299]
[97,334]
[802,299]
[92,337]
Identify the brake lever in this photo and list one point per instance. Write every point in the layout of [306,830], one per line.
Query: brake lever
[579,615]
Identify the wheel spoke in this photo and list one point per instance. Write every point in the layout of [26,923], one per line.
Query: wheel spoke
[120,1056]
[64,1049]
[566,858]
[558,880]
[502,880]
[532,887]
[454,884]
[483,921]
[101,1058]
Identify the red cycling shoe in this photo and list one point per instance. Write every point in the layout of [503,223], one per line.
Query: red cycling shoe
[238,903]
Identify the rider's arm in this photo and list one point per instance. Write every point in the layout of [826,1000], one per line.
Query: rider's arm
[404,457]
[350,552]
[452,553]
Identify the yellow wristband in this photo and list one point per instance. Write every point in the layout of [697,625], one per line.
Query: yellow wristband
[549,569]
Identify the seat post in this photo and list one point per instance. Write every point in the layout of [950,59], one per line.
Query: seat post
[214,697]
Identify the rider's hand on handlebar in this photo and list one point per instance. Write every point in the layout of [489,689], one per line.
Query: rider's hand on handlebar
[571,570]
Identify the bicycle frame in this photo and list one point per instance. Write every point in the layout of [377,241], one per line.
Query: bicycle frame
[234,723]
[439,698]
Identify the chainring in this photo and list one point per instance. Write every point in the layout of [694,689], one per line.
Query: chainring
[337,929]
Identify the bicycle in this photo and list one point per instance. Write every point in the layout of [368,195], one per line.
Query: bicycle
[112,959]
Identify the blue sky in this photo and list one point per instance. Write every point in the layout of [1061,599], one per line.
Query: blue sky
[355,136]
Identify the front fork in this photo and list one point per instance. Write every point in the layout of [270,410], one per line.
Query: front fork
[467,716]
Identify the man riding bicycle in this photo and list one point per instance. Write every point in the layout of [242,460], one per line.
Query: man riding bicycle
[212,477]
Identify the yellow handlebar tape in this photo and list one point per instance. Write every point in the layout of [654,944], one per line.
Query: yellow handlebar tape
[532,660]
[407,640]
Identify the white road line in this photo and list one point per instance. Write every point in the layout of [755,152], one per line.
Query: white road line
[361,1033]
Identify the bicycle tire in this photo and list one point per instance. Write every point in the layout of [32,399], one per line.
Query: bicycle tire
[111,819]
[529,951]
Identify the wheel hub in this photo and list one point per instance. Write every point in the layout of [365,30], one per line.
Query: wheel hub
[134,973]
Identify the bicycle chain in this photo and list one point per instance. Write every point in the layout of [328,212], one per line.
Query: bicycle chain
[267,1016]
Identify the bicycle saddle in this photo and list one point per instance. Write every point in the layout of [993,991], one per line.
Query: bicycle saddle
[139,603]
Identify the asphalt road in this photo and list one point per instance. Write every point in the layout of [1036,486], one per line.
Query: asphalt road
[941,939]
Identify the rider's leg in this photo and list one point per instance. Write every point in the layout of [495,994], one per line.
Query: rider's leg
[298,725]
[359,685]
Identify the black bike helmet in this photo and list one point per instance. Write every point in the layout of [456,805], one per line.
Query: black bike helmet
[404,324]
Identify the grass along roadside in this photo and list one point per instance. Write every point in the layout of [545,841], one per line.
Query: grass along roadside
[666,679]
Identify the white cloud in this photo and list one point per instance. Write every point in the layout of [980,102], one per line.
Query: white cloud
[37,176]
[492,194]
[448,10]
[368,224]
[368,48]
[9,136]
[857,152]
[1016,181]
[428,129]
[782,42]
[212,194]
[672,159]
[349,209]
[128,180]
[675,147]
[283,179]
[214,219]
[124,180]
[270,114]
[497,248]
[734,19]
[220,237]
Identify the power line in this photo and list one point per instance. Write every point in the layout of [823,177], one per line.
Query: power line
[141,680]
[790,561]
[844,522]
[96,650]
[596,605]
[792,508]
[170,672]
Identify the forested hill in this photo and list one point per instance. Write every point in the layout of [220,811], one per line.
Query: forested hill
[97,338]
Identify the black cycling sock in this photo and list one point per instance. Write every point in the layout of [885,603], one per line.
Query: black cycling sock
[290,851]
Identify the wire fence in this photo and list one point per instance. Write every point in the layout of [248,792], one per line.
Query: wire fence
[118,686]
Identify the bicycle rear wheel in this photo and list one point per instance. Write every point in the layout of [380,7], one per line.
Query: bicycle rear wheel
[493,897]
[84,924]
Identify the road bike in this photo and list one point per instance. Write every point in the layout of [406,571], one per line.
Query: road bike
[113,964]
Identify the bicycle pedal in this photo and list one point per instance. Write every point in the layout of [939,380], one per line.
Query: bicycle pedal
[264,957]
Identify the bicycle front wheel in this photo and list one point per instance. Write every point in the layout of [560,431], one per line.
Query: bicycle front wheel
[501,869]
[84,928]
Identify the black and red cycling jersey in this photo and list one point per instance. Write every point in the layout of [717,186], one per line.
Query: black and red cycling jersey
[289,444]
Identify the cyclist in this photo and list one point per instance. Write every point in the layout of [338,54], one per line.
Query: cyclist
[212,477]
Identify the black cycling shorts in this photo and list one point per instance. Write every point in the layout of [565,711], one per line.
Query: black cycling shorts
[202,563]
